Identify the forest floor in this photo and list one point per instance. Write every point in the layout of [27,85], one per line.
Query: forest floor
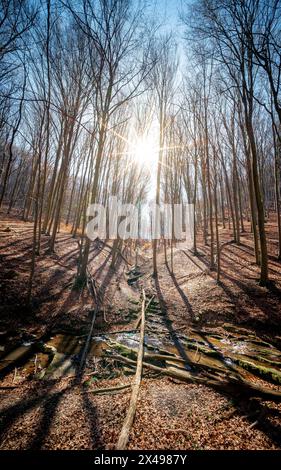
[62,414]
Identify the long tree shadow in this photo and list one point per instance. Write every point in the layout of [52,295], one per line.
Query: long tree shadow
[272,430]
[263,305]
[9,415]
[99,300]
[271,286]
[173,334]
[69,254]
[182,294]
[15,243]
[49,401]
[239,249]
[62,239]
[226,364]
[225,257]
[99,270]
[242,404]
[194,261]
[249,249]
[91,414]
[257,414]
[50,406]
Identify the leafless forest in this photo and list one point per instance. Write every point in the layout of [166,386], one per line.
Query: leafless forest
[140,343]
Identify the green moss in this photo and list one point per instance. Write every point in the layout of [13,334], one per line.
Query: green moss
[270,374]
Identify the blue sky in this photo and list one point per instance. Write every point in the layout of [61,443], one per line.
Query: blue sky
[168,11]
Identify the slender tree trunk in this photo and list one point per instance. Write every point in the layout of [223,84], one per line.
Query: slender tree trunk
[240,203]
[235,197]
[157,196]
[82,268]
[217,231]
[14,132]
[222,202]
[53,182]
[259,202]
[277,159]
[15,187]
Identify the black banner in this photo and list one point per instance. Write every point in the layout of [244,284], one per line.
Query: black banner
[127,459]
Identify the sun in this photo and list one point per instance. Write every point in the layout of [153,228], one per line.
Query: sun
[144,151]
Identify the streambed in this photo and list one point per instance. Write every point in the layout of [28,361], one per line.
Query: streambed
[228,353]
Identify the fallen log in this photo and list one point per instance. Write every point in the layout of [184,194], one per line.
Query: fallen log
[212,359]
[177,373]
[163,355]
[109,333]
[101,391]
[140,317]
[125,431]
[245,386]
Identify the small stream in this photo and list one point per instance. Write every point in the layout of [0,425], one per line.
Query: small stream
[60,354]
[35,358]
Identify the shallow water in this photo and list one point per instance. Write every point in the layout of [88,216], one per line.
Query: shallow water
[31,358]
[60,354]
